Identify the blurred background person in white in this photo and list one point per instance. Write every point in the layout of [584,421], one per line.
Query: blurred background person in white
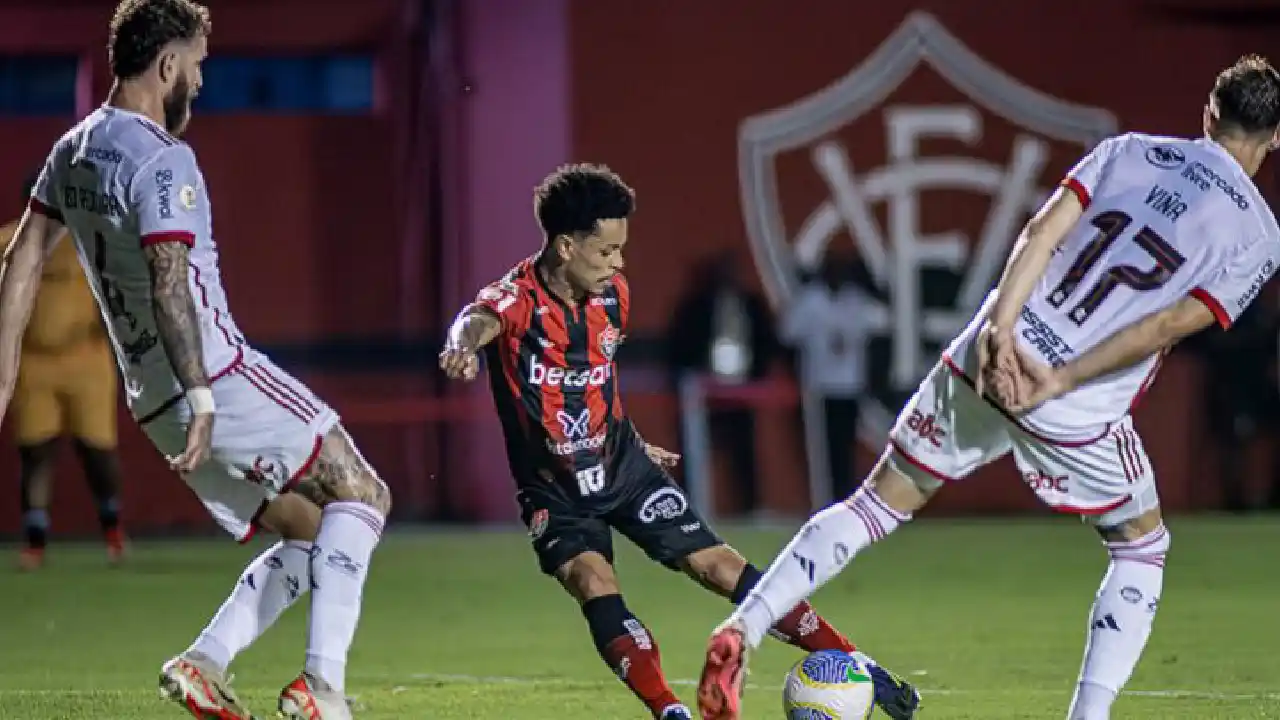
[827,325]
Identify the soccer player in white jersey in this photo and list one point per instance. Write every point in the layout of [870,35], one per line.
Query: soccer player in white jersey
[255,445]
[1149,240]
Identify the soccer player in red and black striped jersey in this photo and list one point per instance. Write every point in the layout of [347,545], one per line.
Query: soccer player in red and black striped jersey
[549,330]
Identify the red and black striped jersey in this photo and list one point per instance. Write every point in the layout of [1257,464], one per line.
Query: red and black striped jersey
[554,379]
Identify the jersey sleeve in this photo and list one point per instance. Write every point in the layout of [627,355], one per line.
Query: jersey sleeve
[44,196]
[1230,291]
[505,299]
[1084,178]
[164,199]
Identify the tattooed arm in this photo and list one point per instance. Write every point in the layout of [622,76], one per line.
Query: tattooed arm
[175,312]
[167,198]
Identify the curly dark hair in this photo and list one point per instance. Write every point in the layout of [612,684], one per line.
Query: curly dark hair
[1247,96]
[575,198]
[141,28]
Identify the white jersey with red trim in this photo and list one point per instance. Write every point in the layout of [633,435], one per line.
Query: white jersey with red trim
[1164,218]
[119,182]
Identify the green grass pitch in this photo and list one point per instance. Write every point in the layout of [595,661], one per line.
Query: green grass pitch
[987,617]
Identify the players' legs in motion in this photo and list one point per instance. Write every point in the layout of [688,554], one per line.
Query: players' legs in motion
[817,553]
[722,570]
[38,460]
[1123,612]
[624,643]
[102,472]
[354,503]
[271,583]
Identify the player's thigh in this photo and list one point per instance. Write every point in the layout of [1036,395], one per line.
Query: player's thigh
[945,432]
[658,518]
[90,399]
[269,428]
[1107,481]
[36,410]
[560,530]
[267,435]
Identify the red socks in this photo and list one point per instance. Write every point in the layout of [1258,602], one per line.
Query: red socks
[803,627]
[629,650]
[807,630]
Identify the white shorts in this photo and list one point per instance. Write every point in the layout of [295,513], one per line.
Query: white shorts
[946,432]
[267,433]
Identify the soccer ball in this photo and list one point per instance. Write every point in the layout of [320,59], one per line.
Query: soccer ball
[829,685]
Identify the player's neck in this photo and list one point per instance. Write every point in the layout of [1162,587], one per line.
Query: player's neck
[1246,152]
[553,277]
[130,96]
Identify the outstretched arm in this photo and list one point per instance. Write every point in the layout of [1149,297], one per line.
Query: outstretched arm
[473,328]
[37,233]
[501,308]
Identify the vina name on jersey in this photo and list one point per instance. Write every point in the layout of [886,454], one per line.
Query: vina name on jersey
[1165,218]
[120,182]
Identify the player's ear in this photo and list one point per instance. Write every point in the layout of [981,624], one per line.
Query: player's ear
[564,246]
[168,65]
[1207,120]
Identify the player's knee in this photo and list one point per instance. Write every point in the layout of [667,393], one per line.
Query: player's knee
[902,488]
[1140,530]
[370,490]
[717,567]
[588,576]
[292,517]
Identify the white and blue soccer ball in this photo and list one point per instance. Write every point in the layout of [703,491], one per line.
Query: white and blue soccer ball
[829,685]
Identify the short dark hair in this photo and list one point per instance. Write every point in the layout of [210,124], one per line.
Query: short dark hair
[141,28]
[575,198]
[1247,96]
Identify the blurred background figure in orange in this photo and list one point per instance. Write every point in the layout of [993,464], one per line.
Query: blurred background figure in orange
[66,388]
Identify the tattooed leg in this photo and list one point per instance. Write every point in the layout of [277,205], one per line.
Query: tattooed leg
[355,504]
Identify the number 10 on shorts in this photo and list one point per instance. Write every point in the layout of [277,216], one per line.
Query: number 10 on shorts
[591,480]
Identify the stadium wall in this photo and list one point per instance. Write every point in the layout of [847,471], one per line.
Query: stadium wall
[312,210]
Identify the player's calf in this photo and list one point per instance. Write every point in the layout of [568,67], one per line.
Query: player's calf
[354,503]
[724,571]
[624,643]
[1123,614]
[822,549]
[269,586]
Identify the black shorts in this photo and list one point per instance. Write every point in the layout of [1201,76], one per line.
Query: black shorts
[644,504]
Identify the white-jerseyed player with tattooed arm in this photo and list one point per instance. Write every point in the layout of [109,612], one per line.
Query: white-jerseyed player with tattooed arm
[254,444]
[1149,240]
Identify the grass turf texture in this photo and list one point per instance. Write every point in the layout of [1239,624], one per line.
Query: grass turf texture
[987,617]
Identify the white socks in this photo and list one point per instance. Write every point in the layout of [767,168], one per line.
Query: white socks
[271,583]
[822,548]
[349,531]
[1120,623]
